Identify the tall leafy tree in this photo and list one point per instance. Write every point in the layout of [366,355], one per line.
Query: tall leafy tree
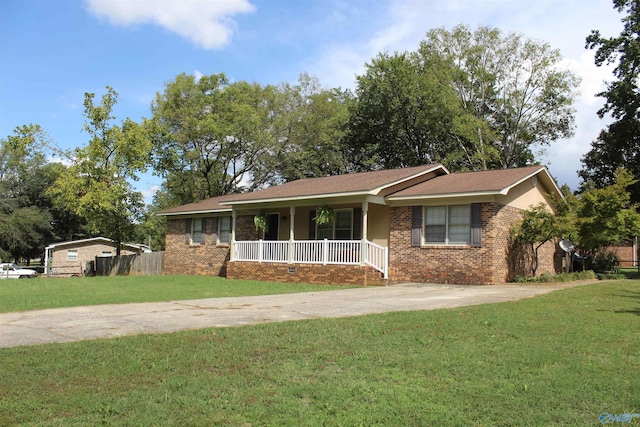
[310,126]
[25,220]
[619,144]
[98,185]
[472,100]
[607,215]
[513,86]
[210,134]
[404,113]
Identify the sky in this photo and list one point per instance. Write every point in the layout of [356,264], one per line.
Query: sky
[54,51]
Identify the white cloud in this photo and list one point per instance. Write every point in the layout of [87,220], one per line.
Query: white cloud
[149,192]
[205,23]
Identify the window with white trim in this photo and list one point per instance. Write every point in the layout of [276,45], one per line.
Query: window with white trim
[340,229]
[447,225]
[72,255]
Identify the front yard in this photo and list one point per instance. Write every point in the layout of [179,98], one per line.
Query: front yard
[22,295]
[558,359]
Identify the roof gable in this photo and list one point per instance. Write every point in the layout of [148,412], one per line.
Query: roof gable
[94,241]
[491,182]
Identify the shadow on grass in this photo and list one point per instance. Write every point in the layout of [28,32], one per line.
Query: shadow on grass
[629,294]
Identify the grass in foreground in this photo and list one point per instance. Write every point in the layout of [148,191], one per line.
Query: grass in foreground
[23,295]
[558,359]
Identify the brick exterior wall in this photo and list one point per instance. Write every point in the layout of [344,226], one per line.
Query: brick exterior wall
[306,273]
[205,259]
[494,262]
[498,260]
[625,253]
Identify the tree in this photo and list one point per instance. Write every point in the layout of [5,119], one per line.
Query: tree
[97,186]
[513,86]
[403,114]
[25,218]
[606,216]
[310,126]
[210,134]
[539,225]
[472,100]
[619,144]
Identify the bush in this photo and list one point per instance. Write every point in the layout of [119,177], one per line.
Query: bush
[603,262]
[558,278]
[611,276]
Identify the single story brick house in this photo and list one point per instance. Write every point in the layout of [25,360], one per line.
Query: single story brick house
[65,259]
[418,224]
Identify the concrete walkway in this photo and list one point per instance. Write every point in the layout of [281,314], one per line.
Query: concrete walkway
[115,320]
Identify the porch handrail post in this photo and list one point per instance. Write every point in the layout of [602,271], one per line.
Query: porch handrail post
[364,252]
[365,220]
[292,216]
[325,251]
[232,238]
[386,263]
[259,250]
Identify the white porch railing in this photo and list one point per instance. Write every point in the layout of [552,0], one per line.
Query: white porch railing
[346,252]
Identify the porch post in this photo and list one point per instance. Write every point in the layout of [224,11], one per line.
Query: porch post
[365,220]
[232,239]
[292,217]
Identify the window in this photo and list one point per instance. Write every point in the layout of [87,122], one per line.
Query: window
[340,229]
[447,224]
[105,254]
[344,225]
[224,230]
[194,231]
[72,255]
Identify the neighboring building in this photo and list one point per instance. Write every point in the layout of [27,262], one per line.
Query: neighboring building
[627,252]
[420,224]
[70,258]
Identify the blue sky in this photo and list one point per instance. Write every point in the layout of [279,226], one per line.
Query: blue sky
[52,52]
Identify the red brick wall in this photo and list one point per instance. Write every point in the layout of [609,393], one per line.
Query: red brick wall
[625,254]
[489,264]
[204,260]
[305,273]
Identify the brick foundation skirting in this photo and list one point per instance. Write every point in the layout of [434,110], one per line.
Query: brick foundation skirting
[306,273]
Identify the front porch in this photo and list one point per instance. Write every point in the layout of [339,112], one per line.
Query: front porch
[318,252]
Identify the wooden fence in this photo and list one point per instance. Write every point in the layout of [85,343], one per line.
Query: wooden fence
[146,264]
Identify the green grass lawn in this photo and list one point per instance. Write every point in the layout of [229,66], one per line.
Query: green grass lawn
[630,272]
[558,359]
[22,295]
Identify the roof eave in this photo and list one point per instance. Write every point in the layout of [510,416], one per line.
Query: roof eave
[446,195]
[194,212]
[299,198]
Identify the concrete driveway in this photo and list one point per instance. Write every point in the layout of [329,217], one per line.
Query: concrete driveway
[115,320]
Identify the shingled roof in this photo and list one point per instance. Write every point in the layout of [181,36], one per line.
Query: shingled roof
[204,206]
[365,183]
[492,182]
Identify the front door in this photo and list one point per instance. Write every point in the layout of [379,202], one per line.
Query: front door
[272,232]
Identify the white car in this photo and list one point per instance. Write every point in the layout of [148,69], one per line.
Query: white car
[14,271]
